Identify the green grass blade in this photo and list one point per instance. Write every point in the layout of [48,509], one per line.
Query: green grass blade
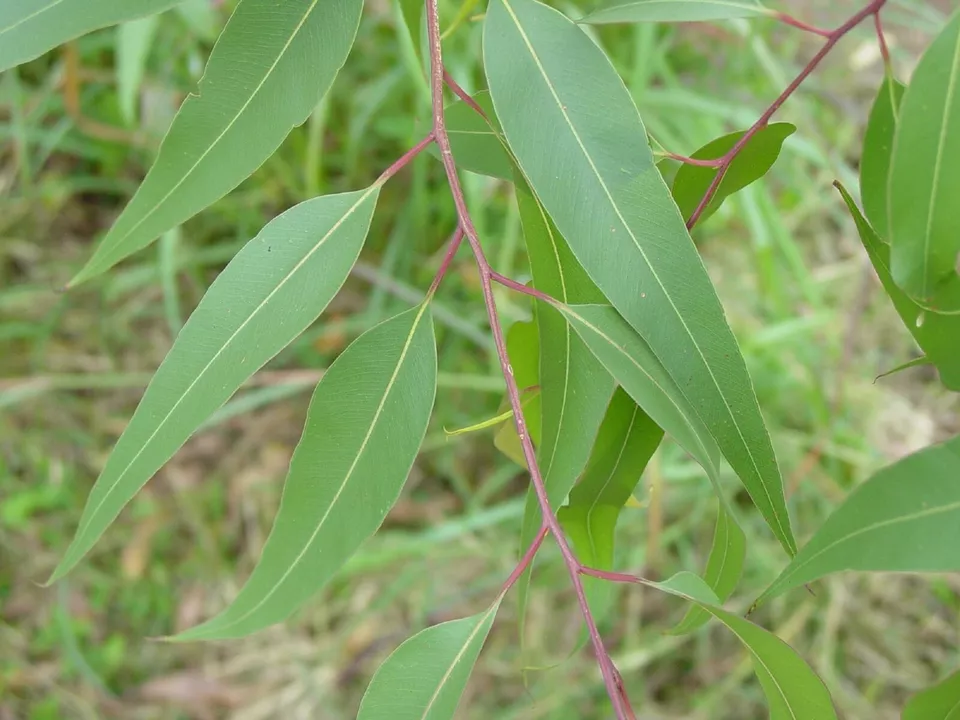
[594,174]
[290,53]
[270,292]
[366,421]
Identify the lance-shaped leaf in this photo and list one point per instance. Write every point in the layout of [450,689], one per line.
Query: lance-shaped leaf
[877,149]
[940,702]
[134,40]
[675,11]
[574,387]
[792,688]
[270,67]
[29,28]
[594,174]
[924,186]
[938,335]
[625,443]
[475,142]
[270,292]
[906,518]
[364,427]
[523,350]
[752,162]
[424,678]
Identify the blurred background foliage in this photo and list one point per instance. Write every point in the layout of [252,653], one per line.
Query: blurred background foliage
[78,129]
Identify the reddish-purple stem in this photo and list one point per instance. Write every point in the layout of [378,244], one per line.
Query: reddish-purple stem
[521,288]
[462,94]
[882,40]
[526,559]
[404,159]
[832,39]
[715,162]
[800,24]
[483,265]
[452,246]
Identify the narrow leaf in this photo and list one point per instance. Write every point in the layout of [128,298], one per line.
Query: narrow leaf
[364,427]
[523,350]
[476,142]
[940,702]
[289,53]
[751,163]
[916,362]
[877,149]
[793,690]
[594,174]
[412,13]
[724,567]
[937,335]
[29,28]
[270,292]
[424,678]
[906,518]
[625,443]
[133,46]
[924,186]
[675,11]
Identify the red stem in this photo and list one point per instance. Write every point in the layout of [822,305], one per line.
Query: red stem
[521,288]
[806,27]
[715,162]
[549,518]
[452,246]
[832,39]
[404,159]
[882,40]
[526,559]
[462,94]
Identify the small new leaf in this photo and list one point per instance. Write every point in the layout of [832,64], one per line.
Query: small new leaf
[364,427]
[424,678]
[906,518]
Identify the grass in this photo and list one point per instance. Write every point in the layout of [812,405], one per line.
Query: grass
[799,293]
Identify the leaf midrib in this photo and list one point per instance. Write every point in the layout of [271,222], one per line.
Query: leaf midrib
[616,209]
[223,133]
[226,344]
[346,479]
[31,16]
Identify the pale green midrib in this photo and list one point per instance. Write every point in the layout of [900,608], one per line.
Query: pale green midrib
[216,141]
[31,16]
[784,580]
[346,479]
[219,352]
[759,9]
[773,678]
[711,470]
[937,165]
[456,660]
[589,158]
[606,483]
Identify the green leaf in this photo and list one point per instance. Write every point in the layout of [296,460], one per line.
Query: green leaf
[523,350]
[364,427]
[270,292]
[412,13]
[133,46]
[29,28]
[937,335]
[940,702]
[906,518]
[675,11]
[476,143]
[924,186]
[290,53]
[877,148]
[594,174]
[909,364]
[625,443]
[574,387]
[424,678]
[793,690]
[751,163]
[201,17]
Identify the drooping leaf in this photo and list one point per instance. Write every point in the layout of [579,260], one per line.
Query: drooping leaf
[877,149]
[289,53]
[29,28]
[475,142]
[134,39]
[625,443]
[906,518]
[908,365]
[523,349]
[270,292]
[793,690]
[924,225]
[424,678]
[940,702]
[724,567]
[594,174]
[751,163]
[937,335]
[574,387]
[364,427]
[675,11]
